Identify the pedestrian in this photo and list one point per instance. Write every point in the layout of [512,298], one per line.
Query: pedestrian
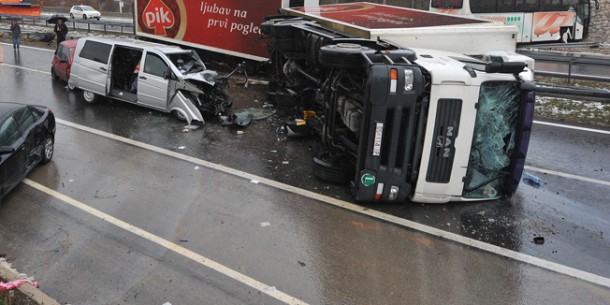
[16,33]
[61,30]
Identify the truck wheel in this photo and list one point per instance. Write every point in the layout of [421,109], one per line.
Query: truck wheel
[90,97]
[283,44]
[343,55]
[332,170]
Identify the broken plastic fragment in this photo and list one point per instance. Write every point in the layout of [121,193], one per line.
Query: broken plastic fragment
[530,178]
[256,113]
[539,240]
[265,224]
[254,181]
[236,119]
[181,147]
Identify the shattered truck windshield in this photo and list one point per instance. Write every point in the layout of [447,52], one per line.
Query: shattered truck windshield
[494,139]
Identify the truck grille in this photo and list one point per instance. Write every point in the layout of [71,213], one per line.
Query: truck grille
[443,147]
[396,137]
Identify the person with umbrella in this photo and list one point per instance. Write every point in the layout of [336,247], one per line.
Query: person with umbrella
[60,29]
[16,33]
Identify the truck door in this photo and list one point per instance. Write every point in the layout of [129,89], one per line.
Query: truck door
[153,83]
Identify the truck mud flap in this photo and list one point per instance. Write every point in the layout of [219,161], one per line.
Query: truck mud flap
[186,107]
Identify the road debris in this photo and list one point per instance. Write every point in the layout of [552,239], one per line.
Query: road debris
[265,224]
[532,179]
[539,240]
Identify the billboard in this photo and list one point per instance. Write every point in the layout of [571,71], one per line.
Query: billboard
[226,26]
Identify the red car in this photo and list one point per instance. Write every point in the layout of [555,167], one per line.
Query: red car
[62,60]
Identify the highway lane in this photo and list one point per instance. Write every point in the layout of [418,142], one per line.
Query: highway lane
[569,212]
[310,252]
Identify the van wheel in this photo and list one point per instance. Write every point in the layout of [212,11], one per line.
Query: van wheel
[71,87]
[343,55]
[90,97]
[332,169]
[53,75]
[179,115]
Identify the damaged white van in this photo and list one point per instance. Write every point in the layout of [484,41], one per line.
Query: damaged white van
[157,76]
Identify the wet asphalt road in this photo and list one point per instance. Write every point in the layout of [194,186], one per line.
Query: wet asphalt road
[315,252]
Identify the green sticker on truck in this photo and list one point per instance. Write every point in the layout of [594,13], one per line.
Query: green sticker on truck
[367,179]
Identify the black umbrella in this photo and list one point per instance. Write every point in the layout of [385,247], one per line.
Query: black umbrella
[54,18]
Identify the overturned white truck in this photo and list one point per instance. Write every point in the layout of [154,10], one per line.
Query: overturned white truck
[407,105]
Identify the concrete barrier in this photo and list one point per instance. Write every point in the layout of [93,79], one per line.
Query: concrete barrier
[25,294]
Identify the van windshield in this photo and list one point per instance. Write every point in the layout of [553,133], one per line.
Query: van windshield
[187,62]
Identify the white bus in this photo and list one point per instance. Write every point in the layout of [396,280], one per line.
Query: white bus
[537,20]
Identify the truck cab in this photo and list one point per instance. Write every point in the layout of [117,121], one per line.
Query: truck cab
[401,123]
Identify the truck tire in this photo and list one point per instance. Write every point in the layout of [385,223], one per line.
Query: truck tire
[327,168]
[343,55]
[283,44]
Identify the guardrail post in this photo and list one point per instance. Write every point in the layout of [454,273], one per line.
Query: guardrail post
[570,70]
[88,27]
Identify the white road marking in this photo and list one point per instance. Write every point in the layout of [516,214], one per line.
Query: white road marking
[572,127]
[25,68]
[521,257]
[28,47]
[566,175]
[240,277]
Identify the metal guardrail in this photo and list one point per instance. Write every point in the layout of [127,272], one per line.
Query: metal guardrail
[571,61]
[570,92]
[78,24]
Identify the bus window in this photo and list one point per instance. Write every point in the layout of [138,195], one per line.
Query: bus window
[482,6]
[506,6]
[551,5]
[447,3]
[532,6]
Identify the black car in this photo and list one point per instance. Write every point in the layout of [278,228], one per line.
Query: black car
[27,138]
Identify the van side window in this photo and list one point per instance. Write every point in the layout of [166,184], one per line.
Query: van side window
[96,51]
[155,65]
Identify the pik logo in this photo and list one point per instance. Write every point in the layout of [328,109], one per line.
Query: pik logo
[158,17]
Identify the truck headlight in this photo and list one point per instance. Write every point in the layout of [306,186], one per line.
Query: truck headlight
[393,192]
[409,80]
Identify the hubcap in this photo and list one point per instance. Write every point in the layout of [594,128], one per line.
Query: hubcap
[48,148]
